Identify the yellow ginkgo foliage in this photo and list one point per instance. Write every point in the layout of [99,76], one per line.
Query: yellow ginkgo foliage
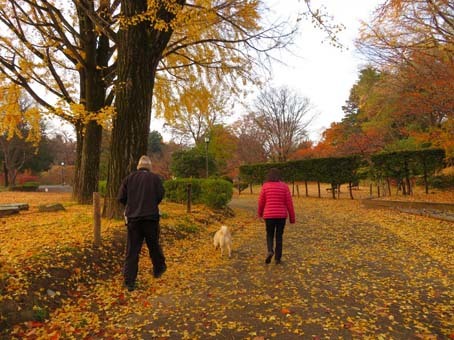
[16,113]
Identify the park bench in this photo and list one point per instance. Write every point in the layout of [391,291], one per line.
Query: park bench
[5,211]
[12,208]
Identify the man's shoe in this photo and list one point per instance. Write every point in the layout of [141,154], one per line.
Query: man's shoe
[278,261]
[130,286]
[269,257]
[159,273]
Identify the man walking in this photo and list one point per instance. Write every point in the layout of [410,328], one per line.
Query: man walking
[141,192]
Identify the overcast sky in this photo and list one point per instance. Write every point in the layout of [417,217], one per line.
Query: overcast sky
[314,68]
[321,72]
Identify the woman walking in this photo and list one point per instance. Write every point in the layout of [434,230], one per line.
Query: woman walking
[275,205]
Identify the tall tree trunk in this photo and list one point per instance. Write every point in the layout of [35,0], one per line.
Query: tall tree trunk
[93,94]
[140,47]
[425,174]
[5,173]
[89,171]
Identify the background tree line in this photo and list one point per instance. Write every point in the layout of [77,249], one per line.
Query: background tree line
[403,99]
[106,63]
[89,58]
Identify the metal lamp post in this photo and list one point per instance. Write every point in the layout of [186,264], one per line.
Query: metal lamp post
[207,140]
[63,173]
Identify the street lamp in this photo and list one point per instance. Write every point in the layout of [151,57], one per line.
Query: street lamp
[207,140]
[63,173]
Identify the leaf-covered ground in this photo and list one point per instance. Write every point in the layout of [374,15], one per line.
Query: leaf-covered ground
[347,272]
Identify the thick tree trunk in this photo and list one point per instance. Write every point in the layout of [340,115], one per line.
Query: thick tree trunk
[89,171]
[93,94]
[133,103]
[140,47]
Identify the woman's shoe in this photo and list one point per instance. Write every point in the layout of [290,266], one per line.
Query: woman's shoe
[269,257]
[130,286]
[158,274]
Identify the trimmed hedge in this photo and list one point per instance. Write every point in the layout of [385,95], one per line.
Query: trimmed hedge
[400,165]
[335,170]
[177,190]
[403,165]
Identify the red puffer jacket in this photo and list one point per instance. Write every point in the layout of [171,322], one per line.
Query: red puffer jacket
[275,201]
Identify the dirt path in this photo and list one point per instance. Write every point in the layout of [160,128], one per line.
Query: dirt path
[346,273]
[341,277]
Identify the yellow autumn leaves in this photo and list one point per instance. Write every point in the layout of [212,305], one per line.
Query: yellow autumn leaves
[13,115]
[347,272]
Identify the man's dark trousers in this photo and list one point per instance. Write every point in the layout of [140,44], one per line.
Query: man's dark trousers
[137,232]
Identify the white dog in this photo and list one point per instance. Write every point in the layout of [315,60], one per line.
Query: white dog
[223,239]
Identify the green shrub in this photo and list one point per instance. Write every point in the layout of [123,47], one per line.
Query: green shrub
[177,190]
[227,178]
[27,186]
[216,193]
[441,181]
[188,226]
[31,184]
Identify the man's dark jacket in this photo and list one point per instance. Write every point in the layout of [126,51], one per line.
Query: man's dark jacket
[141,192]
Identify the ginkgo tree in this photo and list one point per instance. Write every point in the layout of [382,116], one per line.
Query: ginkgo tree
[20,130]
[53,50]
[214,40]
[73,51]
[198,110]
[90,54]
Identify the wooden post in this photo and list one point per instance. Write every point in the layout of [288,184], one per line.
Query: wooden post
[307,190]
[319,193]
[333,190]
[96,219]
[298,190]
[370,190]
[188,203]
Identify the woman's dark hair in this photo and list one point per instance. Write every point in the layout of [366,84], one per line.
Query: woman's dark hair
[274,175]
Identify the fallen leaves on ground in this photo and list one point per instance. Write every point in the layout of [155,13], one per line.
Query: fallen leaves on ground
[347,272]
